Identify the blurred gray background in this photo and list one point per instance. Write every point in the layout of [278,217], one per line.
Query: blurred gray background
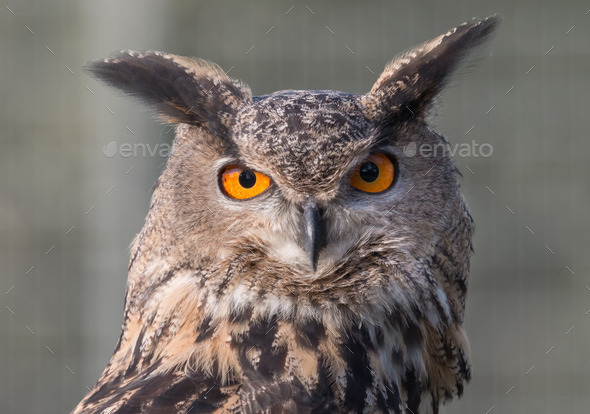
[71,200]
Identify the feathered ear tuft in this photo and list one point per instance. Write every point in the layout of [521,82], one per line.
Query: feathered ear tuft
[411,80]
[180,89]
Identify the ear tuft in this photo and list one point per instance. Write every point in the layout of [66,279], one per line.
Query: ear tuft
[180,89]
[412,79]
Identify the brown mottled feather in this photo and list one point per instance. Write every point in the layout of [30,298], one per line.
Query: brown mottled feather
[224,313]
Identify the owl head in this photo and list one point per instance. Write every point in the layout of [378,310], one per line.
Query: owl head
[315,208]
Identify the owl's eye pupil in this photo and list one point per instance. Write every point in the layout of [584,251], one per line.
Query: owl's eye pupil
[247,179]
[369,171]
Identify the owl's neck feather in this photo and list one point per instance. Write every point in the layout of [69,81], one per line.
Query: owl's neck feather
[382,351]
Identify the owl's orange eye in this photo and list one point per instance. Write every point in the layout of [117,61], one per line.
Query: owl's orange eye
[374,175]
[241,183]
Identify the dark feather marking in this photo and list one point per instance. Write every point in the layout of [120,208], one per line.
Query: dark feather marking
[359,377]
[310,333]
[380,336]
[273,363]
[397,357]
[262,335]
[103,391]
[116,390]
[261,395]
[211,396]
[206,329]
[145,392]
[393,396]
[412,336]
[435,403]
[134,256]
[366,337]
[137,355]
[201,406]
[113,388]
[452,270]
[459,386]
[323,394]
[181,392]
[381,403]
[413,387]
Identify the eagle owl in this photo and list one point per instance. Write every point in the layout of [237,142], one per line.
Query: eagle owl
[294,258]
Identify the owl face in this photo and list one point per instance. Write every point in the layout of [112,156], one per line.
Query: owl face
[334,177]
[308,143]
[310,184]
[308,195]
[308,217]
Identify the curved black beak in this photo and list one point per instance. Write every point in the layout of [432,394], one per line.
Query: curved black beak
[312,231]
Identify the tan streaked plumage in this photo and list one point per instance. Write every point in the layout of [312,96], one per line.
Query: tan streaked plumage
[312,296]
